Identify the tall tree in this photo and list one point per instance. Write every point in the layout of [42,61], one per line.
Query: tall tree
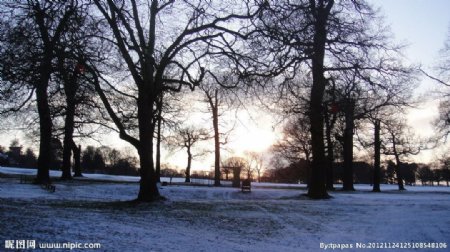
[29,40]
[219,100]
[326,40]
[162,54]
[256,161]
[79,107]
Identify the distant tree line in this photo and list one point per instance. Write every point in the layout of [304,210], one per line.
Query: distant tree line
[411,173]
[102,159]
[108,161]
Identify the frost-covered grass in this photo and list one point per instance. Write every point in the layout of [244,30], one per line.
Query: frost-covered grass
[219,219]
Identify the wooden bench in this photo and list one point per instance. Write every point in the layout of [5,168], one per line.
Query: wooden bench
[246,186]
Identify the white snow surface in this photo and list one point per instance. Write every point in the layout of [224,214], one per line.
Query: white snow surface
[272,217]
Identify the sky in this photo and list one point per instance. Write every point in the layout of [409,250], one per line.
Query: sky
[421,24]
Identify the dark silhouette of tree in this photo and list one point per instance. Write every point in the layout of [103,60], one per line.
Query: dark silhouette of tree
[163,54]
[92,159]
[295,172]
[425,174]
[256,161]
[330,41]
[226,170]
[296,141]
[219,101]
[445,169]
[27,61]
[77,113]
[188,138]
[362,98]
[399,142]
[295,144]
[29,159]
[212,97]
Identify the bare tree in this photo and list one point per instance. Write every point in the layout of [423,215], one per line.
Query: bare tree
[256,162]
[329,39]
[442,70]
[219,100]
[296,141]
[399,141]
[188,138]
[161,54]
[77,105]
[30,41]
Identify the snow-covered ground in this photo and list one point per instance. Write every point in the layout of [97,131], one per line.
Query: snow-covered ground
[219,219]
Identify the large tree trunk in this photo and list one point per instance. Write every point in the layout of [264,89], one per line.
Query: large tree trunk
[376,165]
[348,145]
[148,190]
[45,127]
[317,186]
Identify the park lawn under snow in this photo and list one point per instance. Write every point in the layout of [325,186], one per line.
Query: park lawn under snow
[217,219]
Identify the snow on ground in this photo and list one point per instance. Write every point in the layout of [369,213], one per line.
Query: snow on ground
[218,219]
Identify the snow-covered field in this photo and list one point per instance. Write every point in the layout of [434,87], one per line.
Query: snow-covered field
[270,218]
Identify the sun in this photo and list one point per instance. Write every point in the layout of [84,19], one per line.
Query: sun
[252,139]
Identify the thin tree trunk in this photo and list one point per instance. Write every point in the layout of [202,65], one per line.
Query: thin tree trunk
[216,144]
[158,141]
[188,168]
[376,165]
[330,154]
[348,145]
